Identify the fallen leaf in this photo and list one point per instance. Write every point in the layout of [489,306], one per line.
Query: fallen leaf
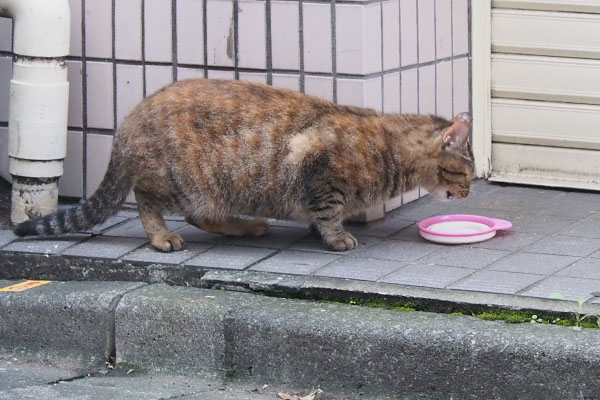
[265,386]
[129,371]
[287,396]
[312,395]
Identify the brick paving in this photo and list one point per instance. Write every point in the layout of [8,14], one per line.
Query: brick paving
[554,246]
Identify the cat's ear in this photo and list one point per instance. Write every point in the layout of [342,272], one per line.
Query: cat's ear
[458,134]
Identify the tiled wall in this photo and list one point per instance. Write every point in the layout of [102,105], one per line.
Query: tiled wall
[391,55]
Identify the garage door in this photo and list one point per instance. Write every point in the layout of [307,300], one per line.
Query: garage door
[536,91]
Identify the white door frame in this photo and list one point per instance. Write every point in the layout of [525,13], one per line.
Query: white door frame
[481,45]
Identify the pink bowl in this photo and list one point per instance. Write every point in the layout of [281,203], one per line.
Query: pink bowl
[459,228]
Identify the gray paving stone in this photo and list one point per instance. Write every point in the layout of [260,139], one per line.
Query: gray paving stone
[288,223]
[571,205]
[229,257]
[528,222]
[365,269]
[418,210]
[589,228]
[531,263]
[503,200]
[277,238]
[313,242]
[191,234]
[105,247]
[509,240]
[128,213]
[380,228]
[134,228]
[465,256]
[433,276]
[496,282]
[400,250]
[6,237]
[295,262]
[46,246]
[596,254]
[411,233]
[570,288]
[585,268]
[565,245]
[174,217]
[112,221]
[149,254]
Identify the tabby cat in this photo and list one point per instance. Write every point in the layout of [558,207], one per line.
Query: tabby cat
[217,150]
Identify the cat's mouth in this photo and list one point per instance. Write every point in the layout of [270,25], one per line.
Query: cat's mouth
[449,195]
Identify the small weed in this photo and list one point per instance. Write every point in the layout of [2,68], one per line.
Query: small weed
[580,318]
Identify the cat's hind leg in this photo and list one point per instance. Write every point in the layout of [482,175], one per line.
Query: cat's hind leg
[231,226]
[154,225]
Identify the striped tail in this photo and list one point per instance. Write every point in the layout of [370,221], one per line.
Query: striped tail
[105,202]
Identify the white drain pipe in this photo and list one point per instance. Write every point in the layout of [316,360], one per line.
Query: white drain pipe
[39,98]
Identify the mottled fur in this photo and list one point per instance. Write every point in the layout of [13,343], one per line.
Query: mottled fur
[215,150]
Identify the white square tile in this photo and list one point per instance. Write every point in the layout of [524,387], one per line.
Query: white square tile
[285,35]
[411,195]
[372,94]
[75,94]
[370,214]
[427,90]
[130,89]
[75,42]
[443,18]
[157,32]
[100,95]
[71,182]
[409,91]
[460,22]
[128,30]
[287,81]
[391,34]
[220,35]
[349,38]
[5,34]
[317,37]
[189,73]
[252,34]
[372,38]
[408,32]
[320,86]
[444,89]
[358,38]
[98,28]
[350,92]
[190,32]
[98,156]
[391,92]
[5,77]
[461,85]
[392,204]
[217,74]
[426,31]
[4,154]
[260,77]
[157,77]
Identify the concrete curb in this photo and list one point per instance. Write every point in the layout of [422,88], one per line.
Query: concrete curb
[352,349]
[345,349]
[73,320]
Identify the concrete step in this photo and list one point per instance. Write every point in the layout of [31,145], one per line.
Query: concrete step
[349,350]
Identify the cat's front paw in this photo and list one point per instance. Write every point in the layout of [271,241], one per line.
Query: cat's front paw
[343,242]
[167,243]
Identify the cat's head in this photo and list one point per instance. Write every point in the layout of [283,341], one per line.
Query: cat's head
[451,176]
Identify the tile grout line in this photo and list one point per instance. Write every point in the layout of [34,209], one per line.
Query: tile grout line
[301,44]
[174,56]
[205,37]
[334,50]
[84,116]
[143,61]
[114,63]
[236,50]
[269,42]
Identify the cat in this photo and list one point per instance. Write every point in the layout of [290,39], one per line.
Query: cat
[216,151]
